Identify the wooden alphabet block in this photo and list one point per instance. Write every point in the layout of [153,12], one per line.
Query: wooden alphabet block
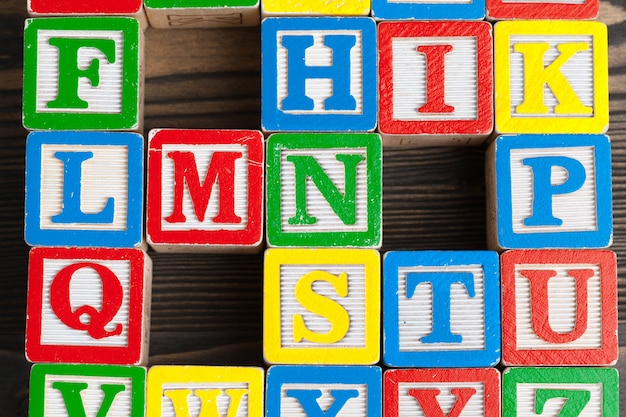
[187,14]
[318,74]
[428,10]
[549,191]
[205,391]
[428,392]
[331,391]
[205,190]
[83,73]
[324,190]
[435,82]
[47,8]
[559,307]
[557,10]
[84,189]
[441,309]
[321,306]
[315,8]
[551,76]
[88,305]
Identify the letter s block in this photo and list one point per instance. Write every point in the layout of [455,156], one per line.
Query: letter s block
[88,305]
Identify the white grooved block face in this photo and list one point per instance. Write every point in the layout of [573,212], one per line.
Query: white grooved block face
[357,406]
[195,404]
[527,399]
[409,406]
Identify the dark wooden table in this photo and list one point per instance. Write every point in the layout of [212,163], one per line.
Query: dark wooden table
[208,309]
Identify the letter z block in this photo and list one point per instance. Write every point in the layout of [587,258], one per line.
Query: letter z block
[205,190]
[88,305]
[441,309]
[187,14]
[559,307]
[322,306]
[435,82]
[83,73]
[549,191]
[318,74]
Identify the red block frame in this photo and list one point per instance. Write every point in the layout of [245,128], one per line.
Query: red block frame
[59,7]
[499,9]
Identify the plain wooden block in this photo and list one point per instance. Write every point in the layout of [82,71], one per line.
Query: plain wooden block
[88,305]
[315,8]
[428,10]
[187,14]
[324,190]
[549,191]
[83,73]
[557,10]
[73,8]
[559,307]
[551,76]
[205,190]
[84,189]
[321,306]
[435,82]
[318,74]
[441,309]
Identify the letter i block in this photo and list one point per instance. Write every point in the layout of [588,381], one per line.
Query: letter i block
[549,191]
[435,82]
[173,14]
[318,74]
[321,306]
[441,309]
[559,307]
[88,305]
[83,73]
[524,9]
[84,189]
[87,390]
[205,190]
[551,76]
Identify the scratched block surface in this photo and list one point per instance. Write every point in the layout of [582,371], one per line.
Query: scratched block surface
[318,74]
[551,76]
[321,306]
[539,9]
[88,305]
[315,8]
[84,189]
[428,9]
[549,191]
[85,7]
[187,14]
[435,82]
[441,309]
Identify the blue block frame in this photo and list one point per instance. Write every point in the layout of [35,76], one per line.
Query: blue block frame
[385,10]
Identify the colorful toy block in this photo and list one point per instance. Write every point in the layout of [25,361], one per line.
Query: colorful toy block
[549,191]
[435,82]
[533,9]
[321,306]
[428,9]
[428,392]
[559,307]
[205,190]
[551,76]
[205,391]
[187,14]
[324,391]
[47,8]
[79,390]
[318,74]
[83,73]
[315,8]
[324,190]
[88,305]
[441,309]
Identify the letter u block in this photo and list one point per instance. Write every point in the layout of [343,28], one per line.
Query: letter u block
[88,305]
[321,306]
[551,76]
[318,74]
[187,14]
[549,191]
[559,307]
[205,190]
[435,82]
[83,73]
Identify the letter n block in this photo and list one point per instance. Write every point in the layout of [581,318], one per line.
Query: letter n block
[441,309]
[435,82]
[321,306]
[174,14]
[83,73]
[559,307]
[549,191]
[205,190]
[318,74]
[88,305]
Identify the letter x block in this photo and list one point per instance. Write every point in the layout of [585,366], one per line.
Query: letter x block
[559,307]
[83,73]
[441,309]
[435,82]
[549,191]
[551,76]
[321,306]
[173,14]
[88,305]
[318,74]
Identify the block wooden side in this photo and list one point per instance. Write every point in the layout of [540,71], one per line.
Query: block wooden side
[169,14]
